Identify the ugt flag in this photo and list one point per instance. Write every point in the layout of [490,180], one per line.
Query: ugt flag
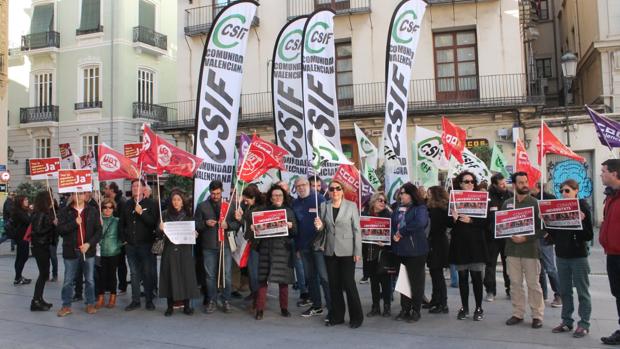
[260,158]
[114,165]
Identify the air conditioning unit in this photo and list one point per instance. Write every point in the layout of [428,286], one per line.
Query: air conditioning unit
[504,134]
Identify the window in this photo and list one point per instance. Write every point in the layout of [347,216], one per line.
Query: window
[90,20]
[145,86]
[42,147]
[456,66]
[147,15]
[543,68]
[42,19]
[90,85]
[344,74]
[543,9]
[89,142]
[43,88]
[336,5]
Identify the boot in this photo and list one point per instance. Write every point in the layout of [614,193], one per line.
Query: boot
[100,301]
[374,311]
[38,305]
[387,310]
[112,302]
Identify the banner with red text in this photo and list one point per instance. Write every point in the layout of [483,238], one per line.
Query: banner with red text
[44,168]
[75,181]
[560,214]
[376,230]
[515,222]
[471,203]
[268,224]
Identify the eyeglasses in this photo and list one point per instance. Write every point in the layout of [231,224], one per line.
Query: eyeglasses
[332,189]
[467,181]
[566,190]
[277,195]
[108,207]
[380,200]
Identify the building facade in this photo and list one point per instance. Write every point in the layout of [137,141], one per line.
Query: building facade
[85,72]
[4,77]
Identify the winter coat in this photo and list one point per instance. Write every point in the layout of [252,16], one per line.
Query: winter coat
[68,229]
[468,243]
[21,219]
[413,241]
[207,210]
[610,228]
[177,274]
[110,244]
[574,243]
[438,243]
[305,212]
[274,261]
[43,229]
[137,229]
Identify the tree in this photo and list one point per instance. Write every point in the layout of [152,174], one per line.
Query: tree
[180,182]
[483,153]
[30,189]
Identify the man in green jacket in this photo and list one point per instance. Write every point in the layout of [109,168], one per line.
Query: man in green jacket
[522,254]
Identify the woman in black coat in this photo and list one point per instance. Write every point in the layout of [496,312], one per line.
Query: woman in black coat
[274,262]
[43,237]
[177,279]
[468,249]
[438,248]
[380,281]
[21,218]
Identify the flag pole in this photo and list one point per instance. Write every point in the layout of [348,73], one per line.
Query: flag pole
[514,194]
[49,190]
[161,218]
[361,184]
[542,161]
[80,226]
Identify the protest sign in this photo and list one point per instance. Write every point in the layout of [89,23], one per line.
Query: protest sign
[515,222]
[471,203]
[268,224]
[44,168]
[181,233]
[560,214]
[75,181]
[375,230]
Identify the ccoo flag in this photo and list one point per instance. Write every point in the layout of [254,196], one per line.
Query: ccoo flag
[219,95]
[402,43]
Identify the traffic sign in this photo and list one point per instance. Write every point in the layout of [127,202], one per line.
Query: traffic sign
[5,176]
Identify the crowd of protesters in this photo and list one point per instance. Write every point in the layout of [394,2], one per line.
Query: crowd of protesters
[319,252]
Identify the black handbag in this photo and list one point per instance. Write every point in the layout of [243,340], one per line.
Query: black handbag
[386,262]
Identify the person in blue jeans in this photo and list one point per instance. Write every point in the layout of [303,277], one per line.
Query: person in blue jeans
[80,228]
[313,260]
[207,217]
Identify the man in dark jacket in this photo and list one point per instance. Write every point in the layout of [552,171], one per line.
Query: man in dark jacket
[313,260]
[610,234]
[498,193]
[207,218]
[80,227]
[136,229]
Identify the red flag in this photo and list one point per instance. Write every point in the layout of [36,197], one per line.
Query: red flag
[260,158]
[552,145]
[223,211]
[169,158]
[453,138]
[523,164]
[114,165]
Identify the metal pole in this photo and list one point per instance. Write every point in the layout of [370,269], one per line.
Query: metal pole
[566,85]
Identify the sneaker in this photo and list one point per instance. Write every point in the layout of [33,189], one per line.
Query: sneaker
[304,302]
[462,314]
[226,307]
[490,297]
[478,314]
[64,311]
[285,312]
[580,332]
[121,292]
[21,281]
[402,316]
[364,280]
[415,316]
[557,302]
[613,339]
[310,312]
[537,323]
[210,307]
[150,305]
[132,306]
[562,328]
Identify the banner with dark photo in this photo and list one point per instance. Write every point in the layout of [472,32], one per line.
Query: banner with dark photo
[515,222]
[219,96]
[288,105]
[268,224]
[376,230]
[560,214]
[471,203]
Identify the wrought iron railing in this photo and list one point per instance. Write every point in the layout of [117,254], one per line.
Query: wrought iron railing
[154,112]
[3,61]
[38,114]
[493,92]
[150,37]
[342,7]
[98,29]
[40,40]
[198,20]
[88,105]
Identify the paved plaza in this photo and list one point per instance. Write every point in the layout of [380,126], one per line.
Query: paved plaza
[20,328]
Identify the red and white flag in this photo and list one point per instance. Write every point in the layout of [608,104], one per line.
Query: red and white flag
[552,145]
[523,164]
[132,150]
[453,138]
[159,156]
[114,165]
[260,158]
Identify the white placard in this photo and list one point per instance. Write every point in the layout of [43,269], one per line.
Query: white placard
[181,233]
[402,283]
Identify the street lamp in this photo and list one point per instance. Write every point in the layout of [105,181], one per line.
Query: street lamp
[569,70]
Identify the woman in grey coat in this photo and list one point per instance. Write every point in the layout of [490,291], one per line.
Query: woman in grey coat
[340,238]
[274,262]
[177,279]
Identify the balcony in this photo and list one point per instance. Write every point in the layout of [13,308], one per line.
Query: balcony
[153,112]
[198,20]
[3,64]
[150,41]
[88,105]
[494,93]
[443,2]
[38,41]
[47,113]
[79,32]
[342,7]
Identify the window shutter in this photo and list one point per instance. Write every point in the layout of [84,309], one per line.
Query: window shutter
[147,15]
[90,14]
[42,19]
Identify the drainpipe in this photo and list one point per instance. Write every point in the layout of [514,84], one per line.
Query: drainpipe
[112,75]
